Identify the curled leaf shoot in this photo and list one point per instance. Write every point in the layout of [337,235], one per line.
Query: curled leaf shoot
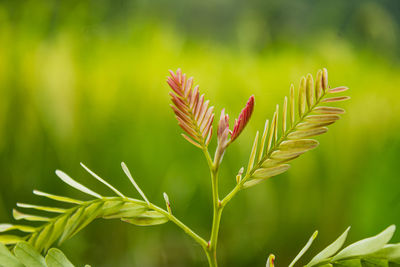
[243,119]
[102,180]
[129,175]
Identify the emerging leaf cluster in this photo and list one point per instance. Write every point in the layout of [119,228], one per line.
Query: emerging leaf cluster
[306,113]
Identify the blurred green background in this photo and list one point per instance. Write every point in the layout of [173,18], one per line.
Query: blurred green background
[85,81]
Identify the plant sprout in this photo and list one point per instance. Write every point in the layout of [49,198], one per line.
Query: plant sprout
[306,113]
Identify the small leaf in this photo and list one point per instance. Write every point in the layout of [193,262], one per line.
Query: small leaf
[284,115]
[335,99]
[130,177]
[7,259]
[43,208]
[318,85]
[274,162]
[58,229]
[305,248]
[324,79]
[102,180]
[284,154]
[28,255]
[307,133]
[92,212]
[41,242]
[252,154]
[322,118]
[252,182]
[292,105]
[58,198]
[23,228]
[298,145]
[10,239]
[329,110]
[302,97]
[22,216]
[309,125]
[366,246]
[338,89]
[276,125]
[272,131]
[310,91]
[263,173]
[147,218]
[72,223]
[55,258]
[263,139]
[68,180]
[330,250]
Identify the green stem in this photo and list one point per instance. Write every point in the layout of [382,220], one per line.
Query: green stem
[211,251]
[181,225]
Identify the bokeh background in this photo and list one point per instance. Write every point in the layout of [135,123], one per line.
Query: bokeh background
[85,81]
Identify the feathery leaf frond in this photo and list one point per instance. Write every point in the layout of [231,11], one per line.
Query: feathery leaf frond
[310,121]
[69,221]
[74,219]
[194,115]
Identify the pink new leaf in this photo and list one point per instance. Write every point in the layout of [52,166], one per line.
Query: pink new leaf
[243,119]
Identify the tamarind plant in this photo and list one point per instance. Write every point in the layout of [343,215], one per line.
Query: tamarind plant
[306,113]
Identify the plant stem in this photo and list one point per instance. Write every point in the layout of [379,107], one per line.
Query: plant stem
[176,221]
[211,251]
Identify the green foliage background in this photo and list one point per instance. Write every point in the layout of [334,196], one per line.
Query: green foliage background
[85,81]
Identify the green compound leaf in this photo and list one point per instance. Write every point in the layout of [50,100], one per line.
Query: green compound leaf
[67,224]
[55,258]
[69,221]
[28,256]
[309,121]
